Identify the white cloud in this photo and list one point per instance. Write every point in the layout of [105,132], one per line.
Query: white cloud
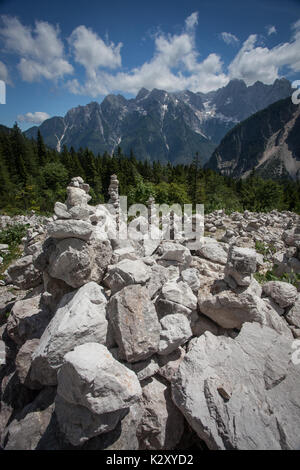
[254,63]
[41,49]
[92,52]
[174,66]
[229,38]
[191,21]
[36,118]
[271,30]
[4,75]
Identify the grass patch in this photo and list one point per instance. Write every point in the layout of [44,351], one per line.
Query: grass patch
[11,236]
[291,278]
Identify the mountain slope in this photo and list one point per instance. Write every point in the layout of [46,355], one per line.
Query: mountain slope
[158,125]
[268,141]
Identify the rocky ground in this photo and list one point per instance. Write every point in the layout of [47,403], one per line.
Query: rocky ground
[146,344]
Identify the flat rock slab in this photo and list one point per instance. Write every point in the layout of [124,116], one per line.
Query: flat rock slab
[242,393]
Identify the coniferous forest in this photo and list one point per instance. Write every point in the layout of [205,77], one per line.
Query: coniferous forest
[33,177]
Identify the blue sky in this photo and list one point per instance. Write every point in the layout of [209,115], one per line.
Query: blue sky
[60,54]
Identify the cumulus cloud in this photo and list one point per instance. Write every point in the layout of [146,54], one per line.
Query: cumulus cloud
[271,30]
[41,49]
[92,52]
[35,118]
[254,63]
[174,66]
[229,38]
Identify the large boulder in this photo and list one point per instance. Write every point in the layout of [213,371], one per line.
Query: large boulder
[27,320]
[212,250]
[283,293]
[241,265]
[176,297]
[94,392]
[171,253]
[134,322]
[293,316]
[70,229]
[162,423]
[23,274]
[80,318]
[176,330]
[125,273]
[242,393]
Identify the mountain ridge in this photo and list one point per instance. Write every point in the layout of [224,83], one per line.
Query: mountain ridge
[158,125]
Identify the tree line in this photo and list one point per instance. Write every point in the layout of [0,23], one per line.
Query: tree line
[34,177]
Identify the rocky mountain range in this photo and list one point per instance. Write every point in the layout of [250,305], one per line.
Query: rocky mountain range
[268,142]
[158,125]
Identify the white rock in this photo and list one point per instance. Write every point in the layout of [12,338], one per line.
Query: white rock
[70,229]
[125,273]
[94,392]
[192,278]
[80,318]
[241,393]
[175,331]
[283,293]
[134,322]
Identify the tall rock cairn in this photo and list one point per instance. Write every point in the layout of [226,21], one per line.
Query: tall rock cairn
[114,198]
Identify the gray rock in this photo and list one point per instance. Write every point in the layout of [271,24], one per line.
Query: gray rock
[23,362]
[61,211]
[61,229]
[29,428]
[94,391]
[283,293]
[293,316]
[192,278]
[175,331]
[176,297]
[23,274]
[241,393]
[27,320]
[212,250]
[80,318]
[241,264]
[168,365]
[174,253]
[145,369]
[134,322]
[76,197]
[162,424]
[125,273]
[159,276]
[70,262]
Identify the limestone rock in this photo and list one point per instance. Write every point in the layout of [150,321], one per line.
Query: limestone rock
[125,273]
[241,393]
[174,253]
[70,262]
[176,297]
[80,318]
[293,316]
[212,250]
[241,264]
[283,293]
[175,331]
[94,392]
[192,278]
[162,424]
[61,229]
[23,274]
[134,322]
[27,320]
